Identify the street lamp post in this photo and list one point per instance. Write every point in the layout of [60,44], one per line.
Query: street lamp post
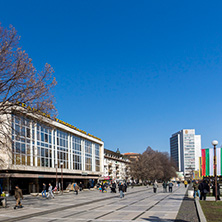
[214,143]
[56,176]
[61,164]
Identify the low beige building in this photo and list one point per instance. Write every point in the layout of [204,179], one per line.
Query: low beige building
[116,166]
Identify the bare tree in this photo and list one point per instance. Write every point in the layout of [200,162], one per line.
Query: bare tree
[21,84]
[152,165]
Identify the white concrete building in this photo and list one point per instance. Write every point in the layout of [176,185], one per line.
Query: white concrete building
[49,150]
[185,149]
[116,167]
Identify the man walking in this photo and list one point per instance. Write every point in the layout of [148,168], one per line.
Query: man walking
[121,189]
[44,190]
[204,189]
[76,188]
[195,189]
[164,187]
[18,197]
[50,191]
[80,186]
[170,187]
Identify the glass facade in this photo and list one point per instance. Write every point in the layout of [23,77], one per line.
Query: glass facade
[21,141]
[76,153]
[37,144]
[88,155]
[97,157]
[189,152]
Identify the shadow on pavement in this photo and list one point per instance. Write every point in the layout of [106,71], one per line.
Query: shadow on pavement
[157,219]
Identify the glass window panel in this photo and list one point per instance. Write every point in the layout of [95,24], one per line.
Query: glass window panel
[28,160]
[18,159]
[23,159]
[23,131]
[28,132]
[42,152]
[23,148]
[46,153]
[46,137]
[17,145]
[42,162]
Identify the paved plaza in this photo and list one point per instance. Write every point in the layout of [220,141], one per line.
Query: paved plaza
[139,204]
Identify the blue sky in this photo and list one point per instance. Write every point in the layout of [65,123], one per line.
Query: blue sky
[129,72]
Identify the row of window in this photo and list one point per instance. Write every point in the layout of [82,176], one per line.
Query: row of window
[23,140]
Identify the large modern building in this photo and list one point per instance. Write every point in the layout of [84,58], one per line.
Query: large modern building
[185,150]
[48,150]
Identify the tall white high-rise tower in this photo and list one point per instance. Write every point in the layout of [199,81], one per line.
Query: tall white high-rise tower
[185,150]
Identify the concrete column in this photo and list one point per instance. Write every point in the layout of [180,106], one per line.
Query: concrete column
[71,152]
[56,159]
[35,143]
[101,156]
[31,149]
[52,144]
[83,153]
[93,158]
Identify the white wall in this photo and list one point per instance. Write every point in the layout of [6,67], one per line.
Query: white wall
[197,150]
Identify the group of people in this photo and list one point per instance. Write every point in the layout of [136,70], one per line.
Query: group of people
[121,186]
[50,191]
[202,189]
[165,185]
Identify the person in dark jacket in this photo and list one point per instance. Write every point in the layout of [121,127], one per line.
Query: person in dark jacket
[218,190]
[164,187]
[121,190]
[125,187]
[80,186]
[113,188]
[44,190]
[170,187]
[18,197]
[204,189]
[76,188]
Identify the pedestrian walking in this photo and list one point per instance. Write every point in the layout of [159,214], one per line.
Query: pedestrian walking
[50,193]
[121,190]
[185,183]
[113,188]
[204,189]
[88,185]
[76,189]
[164,187]
[18,197]
[80,186]
[218,190]
[170,187]
[44,190]
[196,189]
[155,185]
[125,187]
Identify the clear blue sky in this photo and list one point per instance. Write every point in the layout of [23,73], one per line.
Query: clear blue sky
[129,72]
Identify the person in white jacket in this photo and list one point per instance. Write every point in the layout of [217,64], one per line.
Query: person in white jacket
[50,191]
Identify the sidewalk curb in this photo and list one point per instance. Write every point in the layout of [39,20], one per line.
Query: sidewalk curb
[200,213]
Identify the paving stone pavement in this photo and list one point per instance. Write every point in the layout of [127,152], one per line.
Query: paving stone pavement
[139,204]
